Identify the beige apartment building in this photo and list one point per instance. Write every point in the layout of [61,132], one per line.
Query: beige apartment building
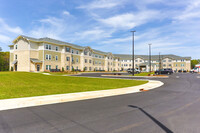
[45,54]
[165,61]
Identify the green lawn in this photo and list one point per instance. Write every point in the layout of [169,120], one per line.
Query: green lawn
[144,74]
[24,84]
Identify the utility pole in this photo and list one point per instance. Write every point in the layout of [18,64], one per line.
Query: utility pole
[150,57]
[159,63]
[133,56]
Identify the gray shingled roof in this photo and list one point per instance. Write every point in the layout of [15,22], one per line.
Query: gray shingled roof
[122,56]
[50,40]
[46,39]
[153,57]
[35,60]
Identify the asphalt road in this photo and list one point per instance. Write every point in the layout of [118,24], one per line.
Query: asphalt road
[174,107]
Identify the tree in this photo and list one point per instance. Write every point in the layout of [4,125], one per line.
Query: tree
[194,62]
[4,61]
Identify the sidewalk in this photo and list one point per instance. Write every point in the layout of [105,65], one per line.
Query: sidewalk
[59,98]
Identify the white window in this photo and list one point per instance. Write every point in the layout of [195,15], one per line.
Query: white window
[16,57]
[67,58]
[56,66]
[47,46]
[56,57]
[15,46]
[76,52]
[76,59]
[48,57]
[85,60]
[48,67]
[67,68]
[56,48]
[72,51]
[67,49]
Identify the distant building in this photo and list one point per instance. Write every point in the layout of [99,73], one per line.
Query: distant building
[167,61]
[44,54]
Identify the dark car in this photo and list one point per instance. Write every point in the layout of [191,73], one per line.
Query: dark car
[164,71]
[180,71]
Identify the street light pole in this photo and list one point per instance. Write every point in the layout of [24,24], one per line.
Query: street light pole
[150,57]
[159,63]
[133,56]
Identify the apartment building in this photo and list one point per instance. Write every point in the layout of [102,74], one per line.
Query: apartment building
[44,54]
[164,61]
[31,54]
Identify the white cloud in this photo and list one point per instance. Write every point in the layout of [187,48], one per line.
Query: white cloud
[118,40]
[66,13]
[49,27]
[100,4]
[6,28]
[131,20]
[93,34]
[5,39]
[7,34]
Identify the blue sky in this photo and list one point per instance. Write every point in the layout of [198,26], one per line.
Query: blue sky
[171,26]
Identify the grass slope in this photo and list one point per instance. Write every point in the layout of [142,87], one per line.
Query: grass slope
[22,84]
[144,74]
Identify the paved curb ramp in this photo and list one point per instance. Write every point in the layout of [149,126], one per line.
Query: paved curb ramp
[59,98]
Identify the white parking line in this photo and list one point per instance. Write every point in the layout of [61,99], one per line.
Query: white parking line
[198,77]
[177,77]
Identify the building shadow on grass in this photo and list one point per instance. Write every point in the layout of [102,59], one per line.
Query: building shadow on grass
[167,130]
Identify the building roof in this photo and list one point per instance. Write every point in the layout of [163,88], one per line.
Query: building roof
[122,56]
[14,62]
[35,60]
[50,40]
[153,57]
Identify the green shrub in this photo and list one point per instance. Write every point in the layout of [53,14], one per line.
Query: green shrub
[11,69]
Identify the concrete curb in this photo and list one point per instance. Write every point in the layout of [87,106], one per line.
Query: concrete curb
[51,99]
[135,76]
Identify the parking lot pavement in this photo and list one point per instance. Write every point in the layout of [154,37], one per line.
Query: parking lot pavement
[173,107]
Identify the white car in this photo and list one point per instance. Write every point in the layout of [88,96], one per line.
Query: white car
[195,70]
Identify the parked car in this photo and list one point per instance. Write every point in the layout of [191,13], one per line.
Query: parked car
[180,71]
[184,71]
[192,71]
[195,70]
[164,71]
[130,70]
